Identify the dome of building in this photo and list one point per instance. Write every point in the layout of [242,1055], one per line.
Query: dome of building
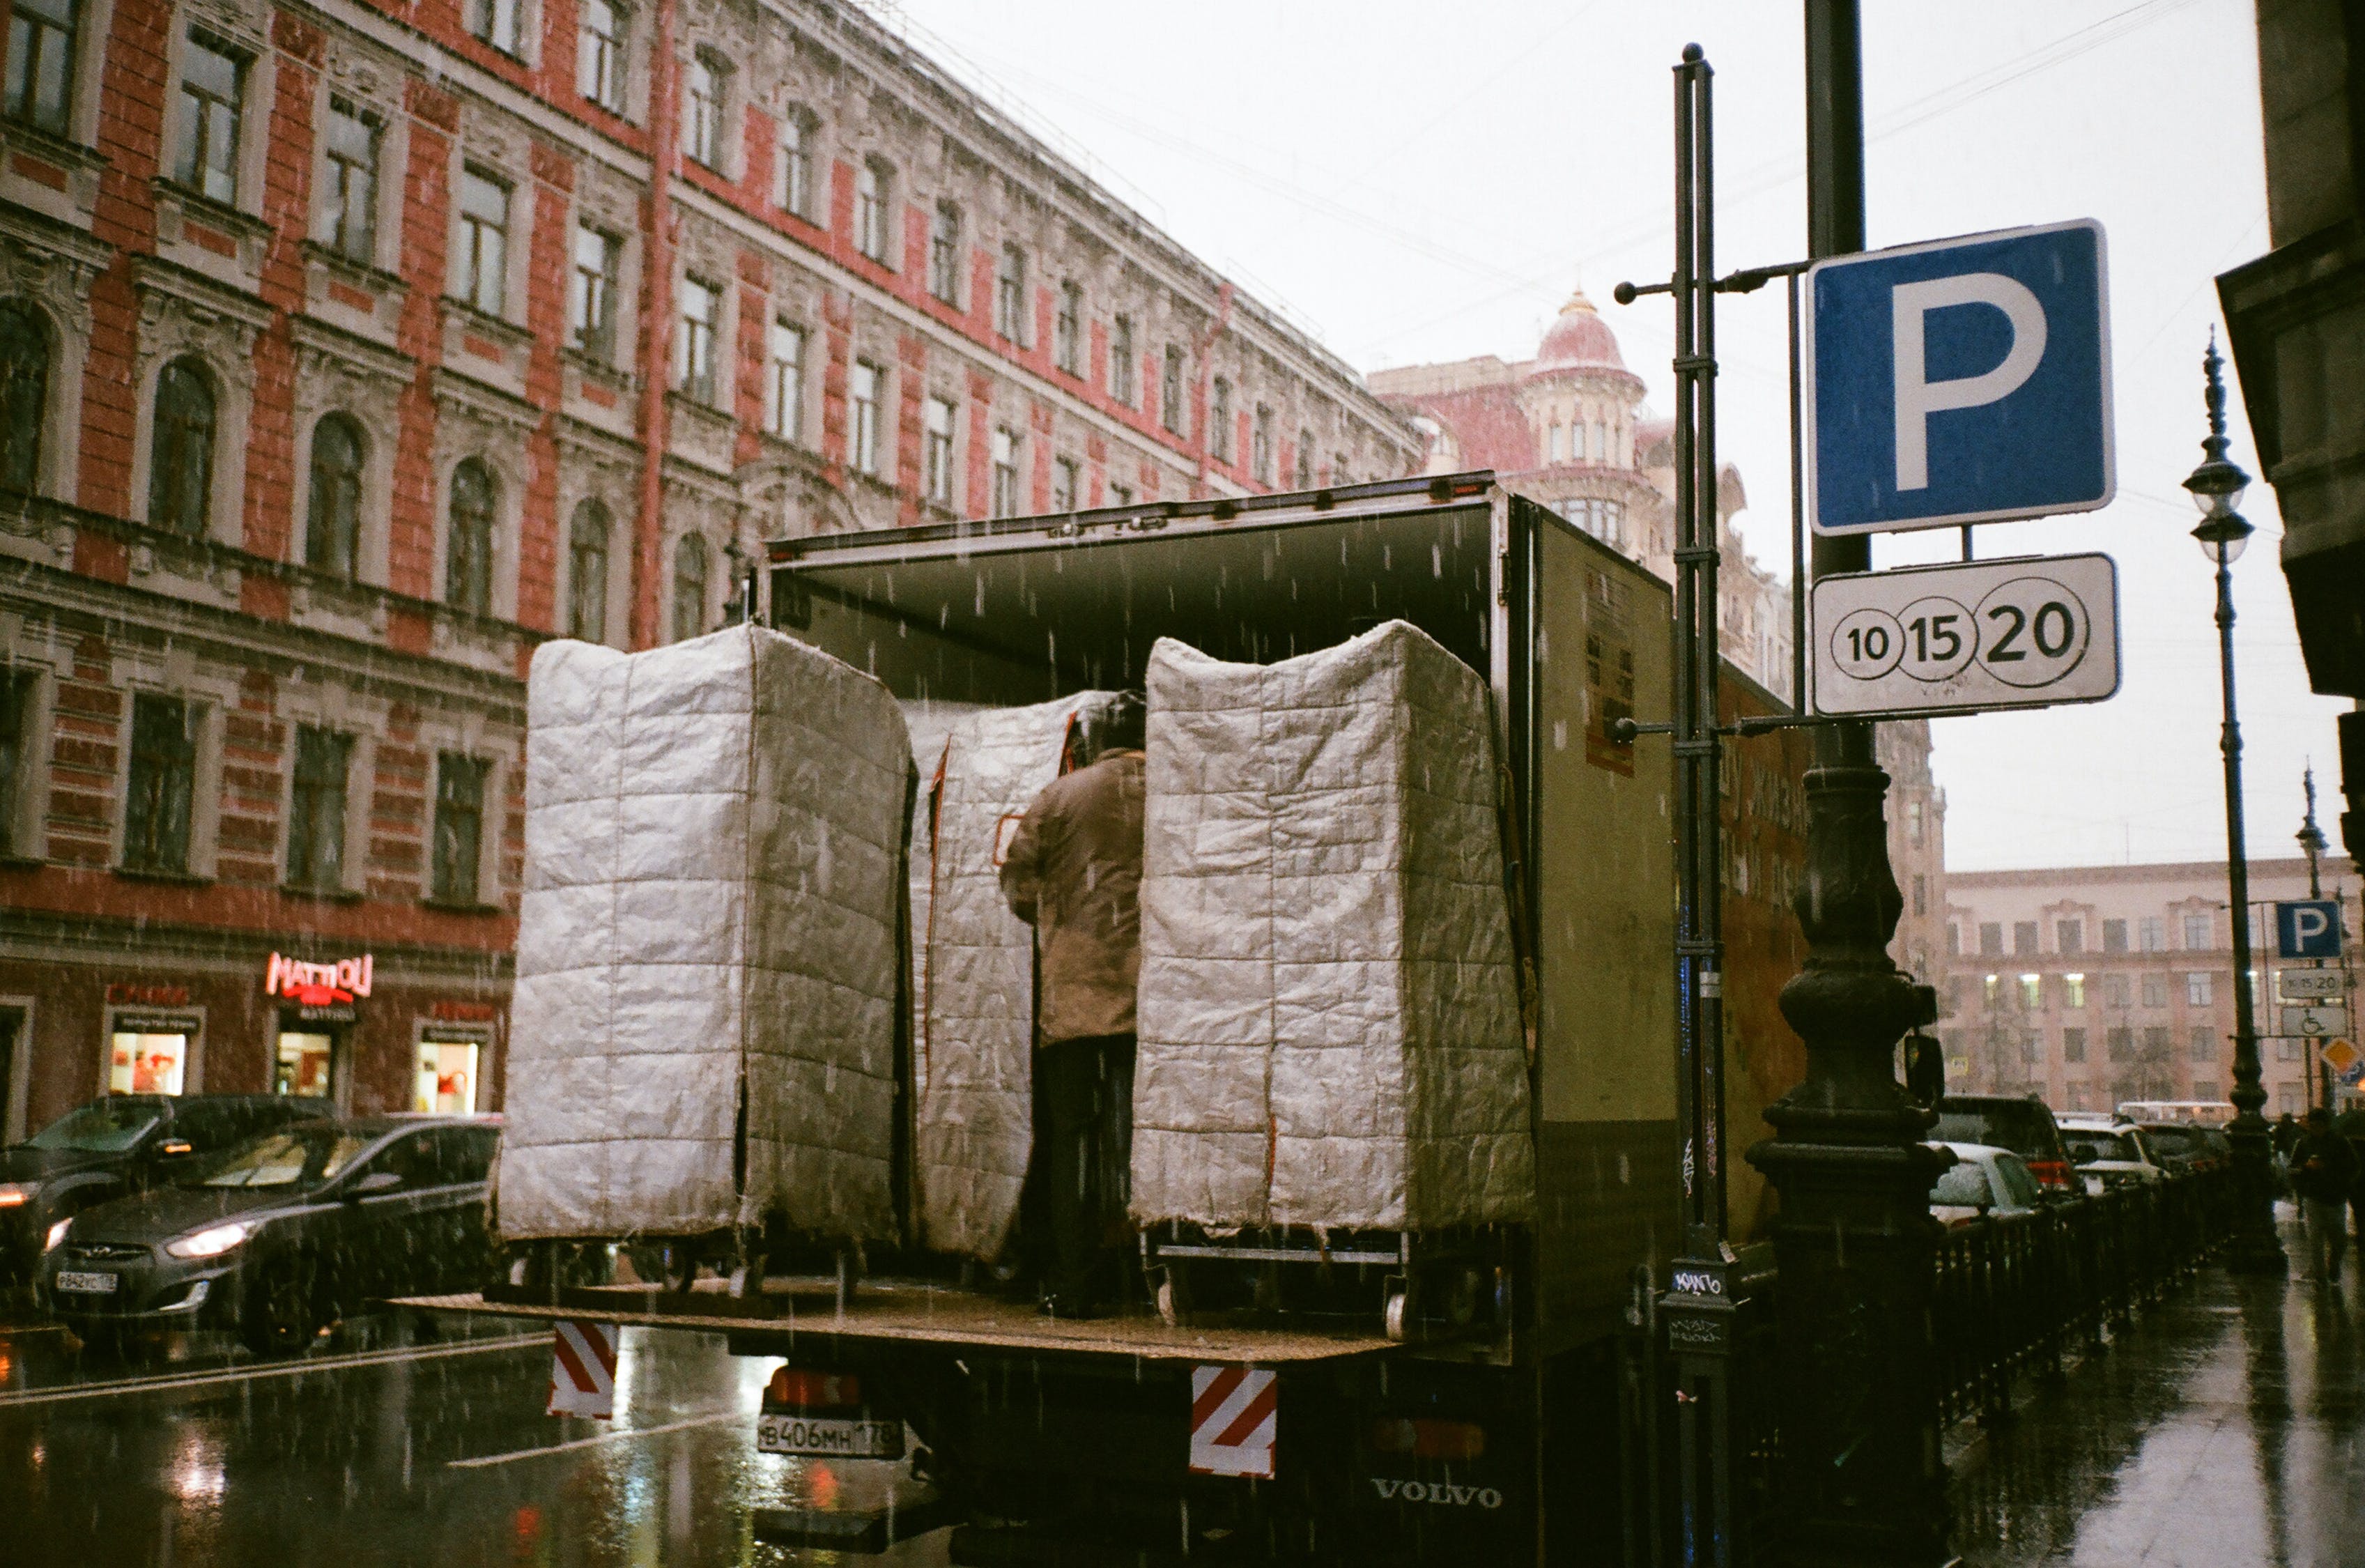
[1578,339]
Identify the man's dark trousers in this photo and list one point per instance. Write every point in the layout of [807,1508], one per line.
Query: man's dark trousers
[1083,1144]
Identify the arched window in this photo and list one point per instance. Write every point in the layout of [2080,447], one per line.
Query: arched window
[332,533]
[587,573]
[181,458]
[688,587]
[468,566]
[24,396]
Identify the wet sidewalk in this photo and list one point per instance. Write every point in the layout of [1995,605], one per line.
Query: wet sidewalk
[2224,1428]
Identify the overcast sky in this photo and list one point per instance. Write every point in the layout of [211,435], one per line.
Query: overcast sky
[1413,189]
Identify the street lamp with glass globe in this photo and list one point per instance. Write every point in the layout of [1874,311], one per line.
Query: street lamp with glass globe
[2217,487]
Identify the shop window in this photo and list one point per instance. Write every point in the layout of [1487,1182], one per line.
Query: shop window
[937,472]
[1068,329]
[350,195]
[483,241]
[689,576]
[446,1077]
[40,63]
[1124,372]
[333,529]
[459,829]
[796,188]
[162,793]
[586,572]
[701,321]
[496,23]
[705,93]
[468,568]
[1170,391]
[181,454]
[788,381]
[874,196]
[599,54]
[140,1062]
[867,387]
[303,1065]
[315,810]
[24,396]
[17,745]
[213,85]
[1005,473]
[599,257]
[945,253]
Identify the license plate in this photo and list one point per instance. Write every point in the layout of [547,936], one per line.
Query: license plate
[824,1437]
[86,1284]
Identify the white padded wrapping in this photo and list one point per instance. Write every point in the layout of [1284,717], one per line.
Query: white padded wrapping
[975,1042]
[713,846]
[1330,1027]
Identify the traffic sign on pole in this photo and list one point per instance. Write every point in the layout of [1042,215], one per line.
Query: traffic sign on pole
[1972,635]
[2313,1022]
[2309,985]
[2307,928]
[1960,381]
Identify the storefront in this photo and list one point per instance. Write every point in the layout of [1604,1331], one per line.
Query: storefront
[455,1040]
[154,1038]
[312,1042]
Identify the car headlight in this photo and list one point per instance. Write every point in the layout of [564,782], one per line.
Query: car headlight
[211,1243]
[57,1233]
[15,1194]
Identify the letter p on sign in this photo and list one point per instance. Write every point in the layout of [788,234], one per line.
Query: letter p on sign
[1963,381]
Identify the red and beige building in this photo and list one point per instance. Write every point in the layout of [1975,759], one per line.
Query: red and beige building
[347,350]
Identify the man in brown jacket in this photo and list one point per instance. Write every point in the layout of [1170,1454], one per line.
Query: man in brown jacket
[1073,872]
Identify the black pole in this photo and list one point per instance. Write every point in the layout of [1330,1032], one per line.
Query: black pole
[1864,1481]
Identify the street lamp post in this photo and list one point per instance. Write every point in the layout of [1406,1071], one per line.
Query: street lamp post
[2217,486]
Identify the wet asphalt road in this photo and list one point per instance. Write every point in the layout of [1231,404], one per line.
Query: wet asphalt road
[377,1448]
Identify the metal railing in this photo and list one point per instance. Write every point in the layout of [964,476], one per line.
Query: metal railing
[2015,1297]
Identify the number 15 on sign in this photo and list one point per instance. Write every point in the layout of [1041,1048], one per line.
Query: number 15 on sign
[1964,637]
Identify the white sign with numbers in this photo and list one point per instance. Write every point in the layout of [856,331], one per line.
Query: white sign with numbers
[1968,636]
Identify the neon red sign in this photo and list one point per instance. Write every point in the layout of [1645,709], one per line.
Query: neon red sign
[317,985]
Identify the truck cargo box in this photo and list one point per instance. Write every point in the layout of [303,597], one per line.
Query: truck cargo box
[715,841]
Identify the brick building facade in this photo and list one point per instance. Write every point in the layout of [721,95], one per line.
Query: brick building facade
[347,350]
[2088,986]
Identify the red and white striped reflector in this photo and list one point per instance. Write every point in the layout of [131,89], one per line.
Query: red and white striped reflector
[1233,1415]
[583,1369]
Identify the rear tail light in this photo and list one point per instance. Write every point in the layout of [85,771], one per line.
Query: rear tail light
[2055,1173]
[808,1390]
[1429,1439]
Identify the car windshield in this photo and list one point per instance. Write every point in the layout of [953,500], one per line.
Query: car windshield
[2103,1146]
[107,1126]
[298,1157]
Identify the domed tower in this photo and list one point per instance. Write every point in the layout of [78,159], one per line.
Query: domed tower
[1582,406]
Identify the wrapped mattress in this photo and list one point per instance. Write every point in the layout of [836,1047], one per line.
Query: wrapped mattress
[973,1050]
[713,846]
[1330,1025]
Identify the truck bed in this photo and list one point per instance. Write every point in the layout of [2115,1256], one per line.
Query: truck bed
[889,1311]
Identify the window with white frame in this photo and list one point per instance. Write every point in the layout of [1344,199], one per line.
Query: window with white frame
[1009,296]
[795,193]
[496,23]
[1219,420]
[213,93]
[1068,329]
[867,385]
[2197,937]
[1304,478]
[592,304]
[483,241]
[1006,471]
[39,90]
[159,794]
[1170,391]
[874,196]
[936,450]
[351,196]
[2199,989]
[1261,445]
[1124,372]
[704,86]
[788,381]
[1067,477]
[599,52]
[945,253]
[701,323]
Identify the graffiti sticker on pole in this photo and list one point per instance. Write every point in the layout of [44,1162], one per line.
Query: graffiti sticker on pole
[1967,637]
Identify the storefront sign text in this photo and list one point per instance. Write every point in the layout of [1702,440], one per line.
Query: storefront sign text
[317,985]
[122,993]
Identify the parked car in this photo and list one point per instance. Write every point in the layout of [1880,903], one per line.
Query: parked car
[2021,1124]
[2109,1152]
[120,1145]
[1983,1182]
[282,1235]
[2185,1147]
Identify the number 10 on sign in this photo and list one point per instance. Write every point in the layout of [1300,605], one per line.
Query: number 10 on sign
[1961,638]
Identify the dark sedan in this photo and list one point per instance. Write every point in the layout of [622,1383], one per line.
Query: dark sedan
[282,1235]
[123,1144]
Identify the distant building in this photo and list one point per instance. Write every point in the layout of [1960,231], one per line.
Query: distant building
[2094,985]
[1917,849]
[1568,427]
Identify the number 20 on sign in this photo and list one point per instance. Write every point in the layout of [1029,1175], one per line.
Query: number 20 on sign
[1966,637]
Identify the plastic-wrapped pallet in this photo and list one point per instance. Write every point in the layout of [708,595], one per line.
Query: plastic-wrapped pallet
[714,838]
[930,721]
[1329,1026]
[974,1047]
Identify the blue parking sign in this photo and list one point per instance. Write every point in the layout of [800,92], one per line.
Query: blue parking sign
[1960,381]
[2307,928]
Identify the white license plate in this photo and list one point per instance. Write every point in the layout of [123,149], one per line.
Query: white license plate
[86,1284]
[823,1437]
